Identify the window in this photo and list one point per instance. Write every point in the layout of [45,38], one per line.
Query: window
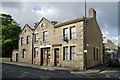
[97,53]
[65,53]
[72,53]
[22,40]
[65,34]
[23,53]
[45,36]
[35,52]
[36,37]
[107,49]
[94,52]
[28,39]
[73,32]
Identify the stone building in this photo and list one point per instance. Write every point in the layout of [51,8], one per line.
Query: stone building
[25,45]
[110,51]
[69,44]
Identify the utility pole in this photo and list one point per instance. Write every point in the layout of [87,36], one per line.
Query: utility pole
[85,47]
[33,48]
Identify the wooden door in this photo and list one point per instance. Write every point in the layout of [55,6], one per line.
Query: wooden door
[56,53]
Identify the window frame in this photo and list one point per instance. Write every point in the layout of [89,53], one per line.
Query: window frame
[73,32]
[65,53]
[73,53]
[45,36]
[22,40]
[97,53]
[28,39]
[36,37]
[65,34]
[36,52]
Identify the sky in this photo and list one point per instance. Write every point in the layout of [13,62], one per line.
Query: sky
[29,12]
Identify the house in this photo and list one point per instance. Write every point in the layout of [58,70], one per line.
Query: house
[110,51]
[25,44]
[71,44]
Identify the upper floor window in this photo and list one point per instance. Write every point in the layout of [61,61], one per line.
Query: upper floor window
[73,32]
[22,40]
[28,39]
[45,36]
[65,34]
[72,53]
[65,53]
[36,37]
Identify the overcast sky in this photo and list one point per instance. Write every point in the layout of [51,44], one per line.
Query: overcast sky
[30,12]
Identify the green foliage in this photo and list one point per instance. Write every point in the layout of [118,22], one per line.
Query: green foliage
[9,36]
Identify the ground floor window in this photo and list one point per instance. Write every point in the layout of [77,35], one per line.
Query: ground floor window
[65,53]
[72,53]
[96,53]
[35,52]
[23,53]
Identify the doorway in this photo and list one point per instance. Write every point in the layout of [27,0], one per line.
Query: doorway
[45,56]
[16,57]
[56,54]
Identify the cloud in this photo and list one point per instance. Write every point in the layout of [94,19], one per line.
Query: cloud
[61,0]
[12,5]
[45,11]
[114,39]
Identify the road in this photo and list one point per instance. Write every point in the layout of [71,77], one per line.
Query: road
[14,71]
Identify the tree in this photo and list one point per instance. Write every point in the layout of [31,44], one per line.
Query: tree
[9,36]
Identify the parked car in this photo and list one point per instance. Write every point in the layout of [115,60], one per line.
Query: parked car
[114,62]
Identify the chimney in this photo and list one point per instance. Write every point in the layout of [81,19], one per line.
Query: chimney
[92,13]
[36,23]
[54,22]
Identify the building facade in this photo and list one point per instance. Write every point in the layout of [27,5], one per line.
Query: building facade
[71,44]
[26,45]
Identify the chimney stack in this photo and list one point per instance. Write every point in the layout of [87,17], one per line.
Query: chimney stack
[54,22]
[92,13]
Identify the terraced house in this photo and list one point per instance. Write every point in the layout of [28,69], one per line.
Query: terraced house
[71,44]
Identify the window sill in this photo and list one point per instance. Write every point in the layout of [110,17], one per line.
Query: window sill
[73,39]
